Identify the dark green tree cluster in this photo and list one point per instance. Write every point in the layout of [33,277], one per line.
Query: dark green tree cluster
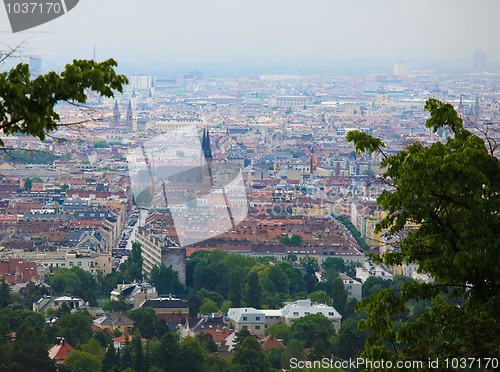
[30,157]
[450,192]
[293,240]
[132,268]
[77,282]
[166,280]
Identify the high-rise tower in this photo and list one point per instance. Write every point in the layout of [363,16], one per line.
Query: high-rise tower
[116,114]
[129,115]
[207,154]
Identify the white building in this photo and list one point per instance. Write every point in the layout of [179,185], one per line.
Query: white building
[141,82]
[295,310]
[370,269]
[248,318]
[353,287]
[257,321]
[50,302]
[401,68]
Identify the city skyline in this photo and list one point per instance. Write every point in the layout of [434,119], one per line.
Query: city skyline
[228,38]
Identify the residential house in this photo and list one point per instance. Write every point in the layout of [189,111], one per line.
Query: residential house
[51,302]
[353,287]
[135,293]
[114,322]
[166,306]
[60,351]
[295,310]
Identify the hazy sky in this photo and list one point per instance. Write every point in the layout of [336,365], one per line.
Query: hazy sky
[312,36]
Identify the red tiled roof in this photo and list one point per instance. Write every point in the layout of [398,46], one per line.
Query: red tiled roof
[60,351]
[219,335]
[271,343]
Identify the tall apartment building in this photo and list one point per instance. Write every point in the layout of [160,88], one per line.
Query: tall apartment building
[159,249]
[141,82]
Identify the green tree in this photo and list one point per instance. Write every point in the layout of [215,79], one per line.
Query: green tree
[5,293]
[115,306]
[235,288]
[339,296]
[126,355]
[76,328]
[111,359]
[166,353]
[194,303]
[165,279]
[214,296]
[296,240]
[281,331]
[445,201]
[207,342]
[215,363]
[315,331]
[27,106]
[295,349]
[137,352]
[28,183]
[100,145]
[191,355]
[145,320]
[285,240]
[351,341]
[132,268]
[76,282]
[28,351]
[80,361]
[321,297]
[311,266]
[208,306]
[249,356]
[253,296]
[94,347]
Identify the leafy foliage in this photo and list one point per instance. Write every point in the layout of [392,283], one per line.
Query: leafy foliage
[76,282]
[445,202]
[27,106]
[166,280]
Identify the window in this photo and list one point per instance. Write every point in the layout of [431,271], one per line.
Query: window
[331,313]
[245,327]
[257,318]
[257,327]
[296,313]
[244,318]
[306,313]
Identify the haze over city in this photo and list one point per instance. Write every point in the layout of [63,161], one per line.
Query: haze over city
[249,186]
[224,37]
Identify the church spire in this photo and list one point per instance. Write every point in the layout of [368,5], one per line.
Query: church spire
[116,113]
[129,113]
[205,144]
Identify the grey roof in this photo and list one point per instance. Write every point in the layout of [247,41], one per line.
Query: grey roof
[164,303]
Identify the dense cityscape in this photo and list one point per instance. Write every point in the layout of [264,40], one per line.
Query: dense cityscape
[112,273]
[258,186]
